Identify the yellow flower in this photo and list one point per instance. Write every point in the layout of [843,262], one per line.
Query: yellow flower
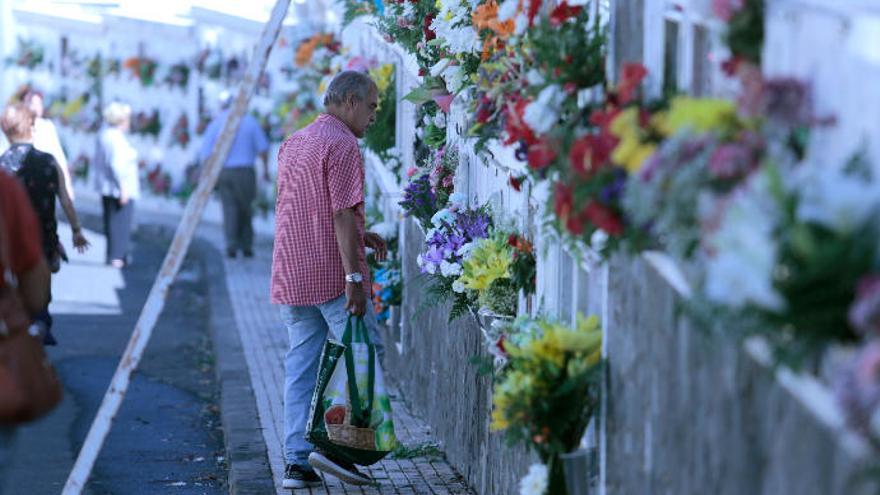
[626,124]
[699,114]
[489,261]
[631,152]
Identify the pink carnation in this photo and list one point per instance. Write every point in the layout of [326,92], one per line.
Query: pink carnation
[726,9]
[411,171]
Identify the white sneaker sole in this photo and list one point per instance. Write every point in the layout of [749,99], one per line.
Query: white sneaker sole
[294,484]
[325,465]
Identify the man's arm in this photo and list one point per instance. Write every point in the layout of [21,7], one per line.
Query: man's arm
[345,226]
[79,240]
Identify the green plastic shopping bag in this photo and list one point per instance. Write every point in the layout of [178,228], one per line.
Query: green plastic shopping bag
[351,411]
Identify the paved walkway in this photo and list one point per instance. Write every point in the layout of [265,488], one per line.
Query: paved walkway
[265,342]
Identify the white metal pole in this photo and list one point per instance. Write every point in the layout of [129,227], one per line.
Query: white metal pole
[143,329]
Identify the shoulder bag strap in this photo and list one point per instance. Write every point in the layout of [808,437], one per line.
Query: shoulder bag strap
[8,276]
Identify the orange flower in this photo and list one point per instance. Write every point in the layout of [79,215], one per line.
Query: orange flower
[307,48]
[486,17]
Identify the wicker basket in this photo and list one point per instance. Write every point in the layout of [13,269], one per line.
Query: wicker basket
[352,436]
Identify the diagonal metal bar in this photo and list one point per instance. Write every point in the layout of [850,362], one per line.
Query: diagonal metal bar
[143,329]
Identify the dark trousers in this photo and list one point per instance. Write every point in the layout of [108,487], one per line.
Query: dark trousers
[117,227]
[238,190]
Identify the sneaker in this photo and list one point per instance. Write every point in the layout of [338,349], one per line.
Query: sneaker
[342,470]
[248,253]
[299,477]
[230,253]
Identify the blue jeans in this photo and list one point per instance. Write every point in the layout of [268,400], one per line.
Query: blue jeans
[307,328]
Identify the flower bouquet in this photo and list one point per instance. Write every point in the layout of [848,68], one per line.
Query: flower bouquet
[790,256]
[178,75]
[745,31]
[497,268]
[429,190]
[142,68]
[146,124]
[30,54]
[549,391]
[180,131]
[450,240]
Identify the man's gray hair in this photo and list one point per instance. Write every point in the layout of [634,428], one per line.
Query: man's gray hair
[346,84]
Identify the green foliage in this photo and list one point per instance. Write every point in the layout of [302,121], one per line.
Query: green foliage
[430,450]
[745,32]
[380,137]
[356,8]
[501,297]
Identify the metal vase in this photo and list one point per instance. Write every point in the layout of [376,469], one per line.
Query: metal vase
[580,468]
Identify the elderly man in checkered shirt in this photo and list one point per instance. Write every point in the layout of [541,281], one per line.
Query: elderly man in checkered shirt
[319,269]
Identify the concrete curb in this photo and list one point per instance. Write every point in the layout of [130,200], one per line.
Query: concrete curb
[246,454]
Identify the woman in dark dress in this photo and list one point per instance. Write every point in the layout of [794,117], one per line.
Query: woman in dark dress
[42,178]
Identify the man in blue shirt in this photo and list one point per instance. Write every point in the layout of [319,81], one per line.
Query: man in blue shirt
[238,183]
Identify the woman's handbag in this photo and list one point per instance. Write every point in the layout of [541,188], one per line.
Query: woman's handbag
[29,387]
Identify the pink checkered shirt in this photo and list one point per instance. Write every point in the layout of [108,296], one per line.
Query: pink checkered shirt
[320,171]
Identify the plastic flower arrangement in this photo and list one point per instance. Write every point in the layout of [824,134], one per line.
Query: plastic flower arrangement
[497,268]
[745,30]
[709,148]
[789,254]
[380,135]
[178,75]
[588,192]
[142,68]
[419,200]
[450,241]
[30,54]
[387,289]
[146,124]
[180,132]
[549,391]
[306,49]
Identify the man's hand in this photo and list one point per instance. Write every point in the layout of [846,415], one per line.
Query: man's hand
[79,241]
[355,299]
[123,198]
[377,244]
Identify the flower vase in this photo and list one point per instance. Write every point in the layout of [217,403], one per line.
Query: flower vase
[579,467]
[556,476]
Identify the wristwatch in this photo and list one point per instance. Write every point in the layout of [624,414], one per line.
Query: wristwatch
[354,278]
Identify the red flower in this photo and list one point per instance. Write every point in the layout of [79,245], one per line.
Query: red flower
[631,77]
[591,152]
[516,183]
[563,203]
[540,155]
[603,217]
[563,12]
[485,110]
[517,129]
[534,9]
[512,240]
[426,28]
[603,118]
[731,66]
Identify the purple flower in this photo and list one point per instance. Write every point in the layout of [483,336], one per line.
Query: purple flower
[858,387]
[864,314]
[730,161]
[613,190]
[473,224]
